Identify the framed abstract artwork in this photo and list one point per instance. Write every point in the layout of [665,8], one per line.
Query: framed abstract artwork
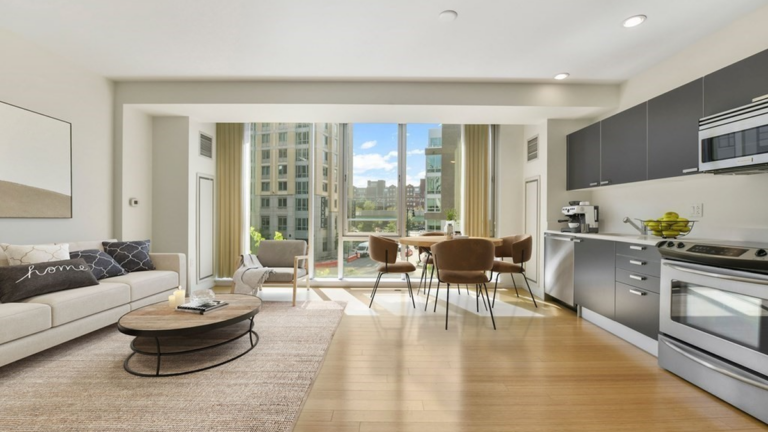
[35,164]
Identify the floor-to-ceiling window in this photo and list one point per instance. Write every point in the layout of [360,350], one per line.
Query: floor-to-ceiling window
[333,185]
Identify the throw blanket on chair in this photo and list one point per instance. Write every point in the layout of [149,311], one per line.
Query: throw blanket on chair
[251,275]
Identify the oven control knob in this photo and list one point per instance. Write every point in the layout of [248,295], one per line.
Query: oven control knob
[670,244]
[680,245]
[761,253]
[661,243]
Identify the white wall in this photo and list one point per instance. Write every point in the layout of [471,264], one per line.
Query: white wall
[35,79]
[170,188]
[734,207]
[135,223]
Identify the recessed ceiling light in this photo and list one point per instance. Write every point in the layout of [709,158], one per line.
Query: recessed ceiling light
[634,21]
[448,16]
[562,76]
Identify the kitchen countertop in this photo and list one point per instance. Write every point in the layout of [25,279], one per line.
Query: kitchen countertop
[625,238]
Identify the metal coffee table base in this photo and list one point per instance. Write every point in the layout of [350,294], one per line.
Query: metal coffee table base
[254,339]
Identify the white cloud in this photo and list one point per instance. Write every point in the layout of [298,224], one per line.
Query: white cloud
[390,155]
[368,144]
[367,162]
[416,152]
[422,174]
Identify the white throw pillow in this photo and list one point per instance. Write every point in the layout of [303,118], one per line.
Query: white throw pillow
[32,254]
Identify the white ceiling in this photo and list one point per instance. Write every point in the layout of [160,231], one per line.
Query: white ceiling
[492,40]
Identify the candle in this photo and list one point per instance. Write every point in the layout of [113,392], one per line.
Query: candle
[172,301]
[180,297]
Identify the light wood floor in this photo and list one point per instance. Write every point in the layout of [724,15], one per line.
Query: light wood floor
[396,369]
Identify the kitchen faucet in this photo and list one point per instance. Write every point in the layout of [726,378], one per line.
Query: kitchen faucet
[643,230]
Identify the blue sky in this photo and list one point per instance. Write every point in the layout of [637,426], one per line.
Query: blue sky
[375,152]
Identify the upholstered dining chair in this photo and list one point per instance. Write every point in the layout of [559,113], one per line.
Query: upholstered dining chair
[518,248]
[427,260]
[384,251]
[463,261]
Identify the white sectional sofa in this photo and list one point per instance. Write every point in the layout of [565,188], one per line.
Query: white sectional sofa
[38,323]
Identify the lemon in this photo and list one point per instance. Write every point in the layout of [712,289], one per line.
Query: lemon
[671,215]
[671,233]
[684,229]
[679,225]
[652,225]
[657,233]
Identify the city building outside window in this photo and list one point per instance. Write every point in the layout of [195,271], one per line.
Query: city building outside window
[265,139]
[302,188]
[282,223]
[265,186]
[264,224]
[302,204]
[302,171]
[282,154]
[265,155]
[265,171]
[282,186]
[434,163]
[282,203]
[302,138]
[282,138]
[265,203]
[282,171]
[302,155]
[302,224]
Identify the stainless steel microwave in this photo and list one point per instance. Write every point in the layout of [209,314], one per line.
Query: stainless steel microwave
[735,141]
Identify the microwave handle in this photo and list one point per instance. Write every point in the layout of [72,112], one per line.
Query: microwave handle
[693,356]
[717,275]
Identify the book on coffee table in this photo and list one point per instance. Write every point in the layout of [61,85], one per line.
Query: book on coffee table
[194,307]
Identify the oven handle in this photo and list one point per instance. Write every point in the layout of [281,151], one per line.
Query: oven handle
[717,275]
[735,374]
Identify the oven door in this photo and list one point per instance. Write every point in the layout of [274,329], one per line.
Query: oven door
[724,312]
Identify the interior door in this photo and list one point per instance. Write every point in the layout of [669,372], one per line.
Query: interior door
[532,212]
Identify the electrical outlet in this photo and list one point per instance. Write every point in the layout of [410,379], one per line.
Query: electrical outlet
[696,211]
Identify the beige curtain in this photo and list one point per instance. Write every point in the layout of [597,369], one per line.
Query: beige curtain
[229,211]
[476,214]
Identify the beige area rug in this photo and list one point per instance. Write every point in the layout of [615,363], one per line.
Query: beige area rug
[81,385]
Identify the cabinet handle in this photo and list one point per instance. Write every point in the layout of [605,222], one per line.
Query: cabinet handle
[637,292]
[633,247]
[636,262]
[690,170]
[593,184]
[605,182]
[636,277]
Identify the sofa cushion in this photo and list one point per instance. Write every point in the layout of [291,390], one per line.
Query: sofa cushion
[147,283]
[133,256]
[102,265]
[32,254]
[283,274]
[18,282]
[3,257]
[70,305]
[23,319]
[280,253]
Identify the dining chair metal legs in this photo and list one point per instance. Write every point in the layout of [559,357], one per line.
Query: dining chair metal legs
[529,290]
[437,294]
[375,287]
[410,289]
[514,284]
[447,304]
[494,288]
[493,320]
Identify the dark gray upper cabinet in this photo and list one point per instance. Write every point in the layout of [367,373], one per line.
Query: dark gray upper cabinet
[624,146]
[736,85]
[594,276]
[584,157]
[673,129]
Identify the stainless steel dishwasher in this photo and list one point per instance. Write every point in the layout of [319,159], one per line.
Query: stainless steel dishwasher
[558,266]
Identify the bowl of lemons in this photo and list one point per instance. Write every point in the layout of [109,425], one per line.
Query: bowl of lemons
[670,226]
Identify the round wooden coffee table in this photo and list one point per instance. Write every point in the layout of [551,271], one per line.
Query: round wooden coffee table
[159,320]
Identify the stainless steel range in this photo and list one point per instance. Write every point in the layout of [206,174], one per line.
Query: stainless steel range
[714,319]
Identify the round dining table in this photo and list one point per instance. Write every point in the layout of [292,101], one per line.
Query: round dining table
[428,241]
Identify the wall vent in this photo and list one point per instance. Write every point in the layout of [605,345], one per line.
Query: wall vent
[533,149]
[206,146]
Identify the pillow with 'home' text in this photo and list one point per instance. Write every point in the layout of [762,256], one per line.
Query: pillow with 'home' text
[18,282]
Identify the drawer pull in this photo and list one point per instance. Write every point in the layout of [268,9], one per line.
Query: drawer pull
[637,292]
[605,182]
[636,262]
[593,184]
[690,170]
[636,277]
[640,248]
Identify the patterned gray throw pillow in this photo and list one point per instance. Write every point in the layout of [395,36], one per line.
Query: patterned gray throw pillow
[133,256]
[101,263]
[28,280]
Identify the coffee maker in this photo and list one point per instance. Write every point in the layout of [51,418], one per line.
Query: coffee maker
[582,217]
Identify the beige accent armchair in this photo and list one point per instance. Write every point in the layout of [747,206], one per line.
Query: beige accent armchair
[284,256]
